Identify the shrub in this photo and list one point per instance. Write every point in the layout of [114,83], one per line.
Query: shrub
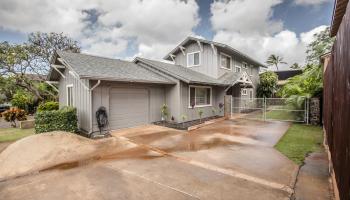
[48,106]
[14,114]
[64,119]
[164,112]
[267,85]
[22,100]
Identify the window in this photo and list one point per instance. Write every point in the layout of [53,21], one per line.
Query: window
[245,65]
[69,95]
[193,59]
[225,61]
[251,96]
[244,91]
[238,68]
[251,70]
[200,96]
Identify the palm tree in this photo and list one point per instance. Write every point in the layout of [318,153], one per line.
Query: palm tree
[274,60]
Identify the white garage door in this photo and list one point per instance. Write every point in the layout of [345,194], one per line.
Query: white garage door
[128,107]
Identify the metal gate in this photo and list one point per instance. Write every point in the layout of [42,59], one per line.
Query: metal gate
[279,109]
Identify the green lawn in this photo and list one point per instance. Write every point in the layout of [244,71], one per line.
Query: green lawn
[299,140]
[12,134]
[280,115]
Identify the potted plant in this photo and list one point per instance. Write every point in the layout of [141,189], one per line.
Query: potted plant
[200,113]
[183,117]
[164,112]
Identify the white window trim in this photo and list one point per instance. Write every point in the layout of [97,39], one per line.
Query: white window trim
[199,63]
[251,70]
[251,91]
[189,96]
[69,86]
[246,65]
[230,62]
[240,68]
[244,92]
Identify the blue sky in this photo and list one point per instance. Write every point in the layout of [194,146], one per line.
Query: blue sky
[150,28]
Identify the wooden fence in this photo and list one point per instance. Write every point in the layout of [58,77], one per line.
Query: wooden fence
[336,113]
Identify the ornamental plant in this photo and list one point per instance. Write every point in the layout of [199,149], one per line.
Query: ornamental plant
[200,113]
[14,114]
[48,106]
[164,112]
[183,117]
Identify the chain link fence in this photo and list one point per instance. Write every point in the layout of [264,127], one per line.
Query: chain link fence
[280,109]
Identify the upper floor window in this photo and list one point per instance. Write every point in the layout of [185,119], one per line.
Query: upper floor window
[69,95]
[225,61]
[200,96]
[244,92]
[193,59]
[238,68]
[250,71]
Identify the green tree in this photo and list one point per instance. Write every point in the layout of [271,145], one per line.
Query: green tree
[320,45]
[18,61]
[267,85]
[22,100]
[295,66]
[274,60]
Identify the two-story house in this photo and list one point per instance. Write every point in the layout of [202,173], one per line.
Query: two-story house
[197,75]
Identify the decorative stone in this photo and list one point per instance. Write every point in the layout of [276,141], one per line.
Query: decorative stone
[27,124]
[315,113]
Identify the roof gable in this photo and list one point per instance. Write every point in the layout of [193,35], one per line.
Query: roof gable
[100,68]
[216,44]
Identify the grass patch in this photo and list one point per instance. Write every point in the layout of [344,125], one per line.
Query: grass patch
[12,134]
[280,115]
[300,140]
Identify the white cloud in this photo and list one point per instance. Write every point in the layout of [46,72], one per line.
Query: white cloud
[262,36]
[155,24]
[310,2]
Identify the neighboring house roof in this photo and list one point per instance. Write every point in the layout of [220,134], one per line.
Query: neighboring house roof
[284,75]
[180,72]
[189,39]
[338,13]
[100,68]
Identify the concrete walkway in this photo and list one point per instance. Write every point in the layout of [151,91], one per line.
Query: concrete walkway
[232,159]
[313,179]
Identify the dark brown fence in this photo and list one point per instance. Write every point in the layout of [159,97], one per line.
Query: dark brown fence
[336,113]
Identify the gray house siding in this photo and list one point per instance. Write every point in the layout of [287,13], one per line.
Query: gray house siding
[208,60]
[81,98]
[101,97]
[192,114]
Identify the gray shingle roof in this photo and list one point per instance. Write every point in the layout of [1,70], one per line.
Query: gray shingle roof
[230,77]
[94,67]
[180,72]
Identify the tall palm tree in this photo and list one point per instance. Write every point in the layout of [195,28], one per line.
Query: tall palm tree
[274,60]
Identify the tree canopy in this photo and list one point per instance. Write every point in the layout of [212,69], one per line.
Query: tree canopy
[19,62]
[267,85]
[274,60]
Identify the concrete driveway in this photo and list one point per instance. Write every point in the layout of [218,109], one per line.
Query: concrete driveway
[232,159]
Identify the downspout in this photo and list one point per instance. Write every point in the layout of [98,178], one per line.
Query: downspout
[90,92]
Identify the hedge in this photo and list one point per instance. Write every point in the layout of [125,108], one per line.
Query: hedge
[47,106]
[64,119]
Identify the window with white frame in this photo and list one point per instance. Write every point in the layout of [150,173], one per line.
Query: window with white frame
[225,61]
[251,70]
[244,91]
[245,65]
[251,96]
[200,96]
[69,95]
[238,68]
[193,59]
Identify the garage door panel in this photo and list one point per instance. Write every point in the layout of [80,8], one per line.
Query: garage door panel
[128,107]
